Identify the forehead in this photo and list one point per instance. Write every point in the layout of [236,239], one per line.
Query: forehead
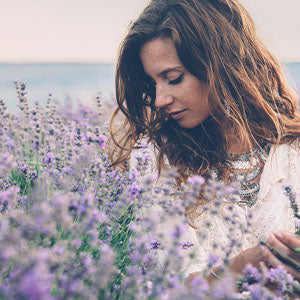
[159,54]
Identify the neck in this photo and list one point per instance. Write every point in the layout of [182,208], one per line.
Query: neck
[237,145]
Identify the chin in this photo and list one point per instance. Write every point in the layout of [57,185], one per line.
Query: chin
[190,124]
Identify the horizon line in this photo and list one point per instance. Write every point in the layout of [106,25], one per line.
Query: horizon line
[58,61]
[55,62]
[83,62]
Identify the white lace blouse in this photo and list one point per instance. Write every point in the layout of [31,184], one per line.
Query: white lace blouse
[270,213]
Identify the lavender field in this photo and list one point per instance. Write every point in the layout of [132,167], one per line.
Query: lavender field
[72,227]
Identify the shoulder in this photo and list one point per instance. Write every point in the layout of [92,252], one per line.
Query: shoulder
[281,156]
[294,149]
[294,164]
[282,166]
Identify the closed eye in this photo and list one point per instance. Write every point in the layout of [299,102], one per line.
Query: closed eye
[177,80]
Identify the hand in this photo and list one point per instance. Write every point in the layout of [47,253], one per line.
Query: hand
[285,244]
[253,255]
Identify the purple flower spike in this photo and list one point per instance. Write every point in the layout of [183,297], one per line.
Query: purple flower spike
[102,141]
[258,292]
[177,232]
[196,180]
[281,277]
[49,158]
[36,284]
[251,274]
[212,260]
[187,245]
[155,243]
[297,224]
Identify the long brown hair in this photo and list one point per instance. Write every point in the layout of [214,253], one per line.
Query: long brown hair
[216,41]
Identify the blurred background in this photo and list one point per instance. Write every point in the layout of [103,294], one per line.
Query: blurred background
[69,47]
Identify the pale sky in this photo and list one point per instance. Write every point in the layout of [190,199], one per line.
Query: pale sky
[91,30]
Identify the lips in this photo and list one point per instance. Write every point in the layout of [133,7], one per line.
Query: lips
[177,114]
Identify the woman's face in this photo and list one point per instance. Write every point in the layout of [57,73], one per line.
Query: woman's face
[180,94]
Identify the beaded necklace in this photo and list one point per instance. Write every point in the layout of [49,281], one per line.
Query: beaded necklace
[245,169]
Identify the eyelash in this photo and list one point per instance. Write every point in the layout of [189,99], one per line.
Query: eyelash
[172,82]
[177,80]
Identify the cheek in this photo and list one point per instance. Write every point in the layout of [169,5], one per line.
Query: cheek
[203,90]
[200,96]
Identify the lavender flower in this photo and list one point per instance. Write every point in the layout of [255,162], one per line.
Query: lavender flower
[78,229]
[49,158]
[251,274]
[282,278]
[9,198]
[7,163]
[187,245]
[288,190]
[212,260]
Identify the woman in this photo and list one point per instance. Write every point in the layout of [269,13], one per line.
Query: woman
[194,78]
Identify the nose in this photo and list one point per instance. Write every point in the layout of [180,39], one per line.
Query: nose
[163,97]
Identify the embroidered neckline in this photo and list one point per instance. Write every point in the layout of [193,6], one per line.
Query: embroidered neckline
[246,167]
